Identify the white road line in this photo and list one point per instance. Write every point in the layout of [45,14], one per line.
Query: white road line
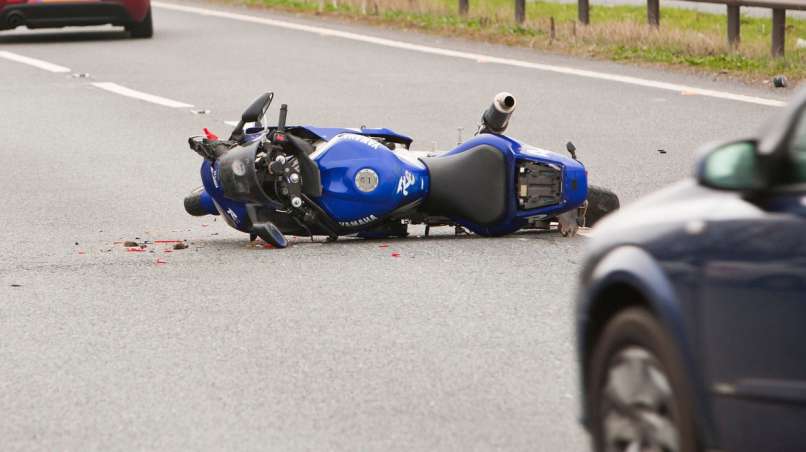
[123,91]
[681,89]
[33,62]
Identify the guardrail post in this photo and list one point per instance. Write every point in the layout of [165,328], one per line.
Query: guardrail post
[778,32]
[520,11]
[464,7]
[653,12]
[734,26]
[584,11]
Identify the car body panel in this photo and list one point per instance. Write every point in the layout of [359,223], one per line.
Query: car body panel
[61,13]
[634,267]
[725,273]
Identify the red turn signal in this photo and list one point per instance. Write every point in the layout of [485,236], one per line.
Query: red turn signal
[210,135]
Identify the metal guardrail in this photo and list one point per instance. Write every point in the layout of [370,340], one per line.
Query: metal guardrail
[779,8]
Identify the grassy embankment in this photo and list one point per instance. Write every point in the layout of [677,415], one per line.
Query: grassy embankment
[686,39]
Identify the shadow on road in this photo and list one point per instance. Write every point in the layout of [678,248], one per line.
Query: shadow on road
[413,239]
[63,37]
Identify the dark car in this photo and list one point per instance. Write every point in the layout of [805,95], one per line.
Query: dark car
[691,321]
[134,15]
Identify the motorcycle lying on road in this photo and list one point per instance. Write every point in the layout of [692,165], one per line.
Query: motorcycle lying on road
[273,181]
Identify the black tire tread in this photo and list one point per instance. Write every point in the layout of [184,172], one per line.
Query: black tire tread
[601,202]
[637,326]
[142,30]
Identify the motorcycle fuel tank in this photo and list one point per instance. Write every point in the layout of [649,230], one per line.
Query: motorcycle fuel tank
[363,180]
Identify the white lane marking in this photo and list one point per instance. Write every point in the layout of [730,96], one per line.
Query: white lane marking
[123,91]
[33,62]
[689,90]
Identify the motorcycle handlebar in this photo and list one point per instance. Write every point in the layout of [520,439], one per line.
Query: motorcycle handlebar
[496,118]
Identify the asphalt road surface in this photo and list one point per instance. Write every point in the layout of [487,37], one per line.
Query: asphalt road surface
[458,344]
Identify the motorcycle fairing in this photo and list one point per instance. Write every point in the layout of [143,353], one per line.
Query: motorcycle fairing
[328,133]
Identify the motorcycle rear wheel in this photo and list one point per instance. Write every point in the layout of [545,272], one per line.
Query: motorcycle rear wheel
[601,202]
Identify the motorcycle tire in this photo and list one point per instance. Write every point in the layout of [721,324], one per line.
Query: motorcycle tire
[193,204]
[601,202]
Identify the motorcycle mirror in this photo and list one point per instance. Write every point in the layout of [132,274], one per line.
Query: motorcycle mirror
[258,109]
[254,113]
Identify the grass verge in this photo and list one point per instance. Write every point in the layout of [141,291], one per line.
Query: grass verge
[686,39]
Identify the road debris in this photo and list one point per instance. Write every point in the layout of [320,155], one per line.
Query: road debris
[15,285]
[180,246]
[200,111]
[661,151]
[130,243]
[161,262]
[780,81]
[395,254]
[135,250]
[81,75]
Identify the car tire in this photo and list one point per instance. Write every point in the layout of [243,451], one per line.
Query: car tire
[143,29]
[637,390]
[601,202]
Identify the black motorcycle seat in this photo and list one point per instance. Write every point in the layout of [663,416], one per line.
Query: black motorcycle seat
[471,185]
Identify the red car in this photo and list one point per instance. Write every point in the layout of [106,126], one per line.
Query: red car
[135,15]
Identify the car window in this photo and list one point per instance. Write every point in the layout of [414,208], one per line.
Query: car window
[799,150]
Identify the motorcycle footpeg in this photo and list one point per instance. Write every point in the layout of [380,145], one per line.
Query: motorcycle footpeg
[270,234]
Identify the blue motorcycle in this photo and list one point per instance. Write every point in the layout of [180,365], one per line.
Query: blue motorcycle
[272,181]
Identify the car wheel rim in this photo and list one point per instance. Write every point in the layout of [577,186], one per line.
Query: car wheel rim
[637,412]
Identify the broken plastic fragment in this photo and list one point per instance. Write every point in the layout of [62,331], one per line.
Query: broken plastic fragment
[395,254]
[383,246]
[160,261]
[135,250]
